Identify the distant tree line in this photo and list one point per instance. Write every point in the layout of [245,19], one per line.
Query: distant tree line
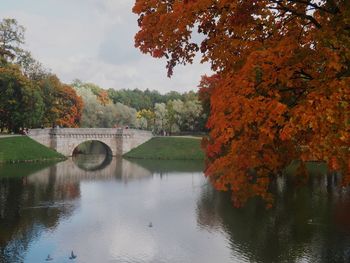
[32,97]
[100,111]
[170,113]
[140,100]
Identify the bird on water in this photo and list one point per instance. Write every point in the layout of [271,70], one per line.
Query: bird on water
[72,256]
[49,258]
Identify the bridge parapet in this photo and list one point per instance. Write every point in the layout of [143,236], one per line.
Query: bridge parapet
[87,131]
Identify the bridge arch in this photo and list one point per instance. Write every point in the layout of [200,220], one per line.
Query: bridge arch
[67,145]
[92,155]
[88,149]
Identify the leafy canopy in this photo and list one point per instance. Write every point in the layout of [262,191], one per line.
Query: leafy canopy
[281,89]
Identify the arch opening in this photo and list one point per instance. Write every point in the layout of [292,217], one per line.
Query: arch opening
[92,155]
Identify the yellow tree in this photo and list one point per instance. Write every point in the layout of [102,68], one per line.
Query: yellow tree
[148,115]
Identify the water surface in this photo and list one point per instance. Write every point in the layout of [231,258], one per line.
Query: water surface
[102,209]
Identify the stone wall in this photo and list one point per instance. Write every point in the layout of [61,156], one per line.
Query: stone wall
[41,136]
[134,138]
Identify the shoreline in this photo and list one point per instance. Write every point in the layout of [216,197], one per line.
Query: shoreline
[44,160]
[183,148]
[22,149]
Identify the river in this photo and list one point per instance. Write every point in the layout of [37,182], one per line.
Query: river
[117,210]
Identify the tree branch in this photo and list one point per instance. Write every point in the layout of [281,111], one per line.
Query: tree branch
[281,7]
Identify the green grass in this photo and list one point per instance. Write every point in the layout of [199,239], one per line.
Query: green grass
[169,148]
[22,148]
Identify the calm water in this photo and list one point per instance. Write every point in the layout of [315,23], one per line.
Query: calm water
[101,208]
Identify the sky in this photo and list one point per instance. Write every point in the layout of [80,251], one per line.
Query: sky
[93,40]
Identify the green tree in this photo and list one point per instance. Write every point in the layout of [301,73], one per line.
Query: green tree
[21,103]
[174,115]
[11,39]
[191,115]
[161,114]
[50,88]
[32,68]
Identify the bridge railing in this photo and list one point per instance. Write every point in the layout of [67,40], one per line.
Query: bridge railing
[39,132]
[86,131]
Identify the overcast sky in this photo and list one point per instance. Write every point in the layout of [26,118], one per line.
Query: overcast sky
[92,40]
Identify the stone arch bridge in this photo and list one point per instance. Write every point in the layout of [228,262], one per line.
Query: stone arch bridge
[65,140]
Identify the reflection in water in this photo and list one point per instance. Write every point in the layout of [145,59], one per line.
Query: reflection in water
[310,223]
[35,204]
[92,155]
[92,162]
[169,166]
[104,215]
[27,209]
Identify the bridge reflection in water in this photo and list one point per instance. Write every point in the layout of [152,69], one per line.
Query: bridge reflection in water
[69,172]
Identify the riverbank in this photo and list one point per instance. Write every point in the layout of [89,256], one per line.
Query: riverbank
[169,148]
[24,149]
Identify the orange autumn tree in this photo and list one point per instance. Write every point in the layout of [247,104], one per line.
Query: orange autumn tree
[281,90]
[63,106]
[103,97]
[71,107]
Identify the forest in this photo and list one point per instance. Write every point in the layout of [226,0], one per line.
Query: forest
[31,96]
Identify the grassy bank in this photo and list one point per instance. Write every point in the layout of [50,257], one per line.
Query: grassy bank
[22,148]
[169,148]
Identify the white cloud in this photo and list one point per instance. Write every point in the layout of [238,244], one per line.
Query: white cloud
[93,40]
